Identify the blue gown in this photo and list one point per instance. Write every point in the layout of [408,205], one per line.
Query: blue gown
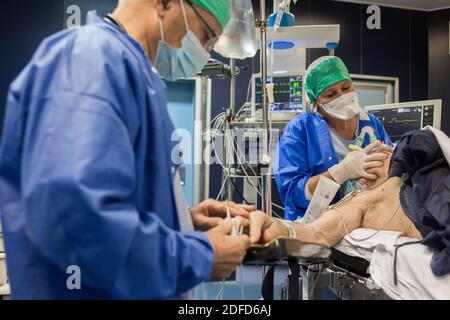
[306,150]
[86,175]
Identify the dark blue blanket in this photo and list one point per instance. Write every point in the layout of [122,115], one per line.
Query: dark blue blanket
[425,194]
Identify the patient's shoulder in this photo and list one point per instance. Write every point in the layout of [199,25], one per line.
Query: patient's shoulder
[386,193]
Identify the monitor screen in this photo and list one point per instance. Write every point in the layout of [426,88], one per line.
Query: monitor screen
[399,118]
[287,93]
[398,121]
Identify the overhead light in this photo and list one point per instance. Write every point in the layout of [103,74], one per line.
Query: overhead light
[280,71]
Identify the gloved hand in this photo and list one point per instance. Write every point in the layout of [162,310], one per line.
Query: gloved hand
[210,213]
[229,251]
[356,164]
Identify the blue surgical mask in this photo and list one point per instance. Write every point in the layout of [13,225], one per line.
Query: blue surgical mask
[182,63]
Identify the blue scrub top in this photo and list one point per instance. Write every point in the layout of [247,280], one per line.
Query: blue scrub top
[86,176]
[306,150]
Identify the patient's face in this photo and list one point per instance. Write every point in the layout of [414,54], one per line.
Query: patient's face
[381,172]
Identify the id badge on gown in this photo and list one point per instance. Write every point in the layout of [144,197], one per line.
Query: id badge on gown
[184,217]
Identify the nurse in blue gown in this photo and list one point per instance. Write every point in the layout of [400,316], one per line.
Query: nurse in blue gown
[317,142]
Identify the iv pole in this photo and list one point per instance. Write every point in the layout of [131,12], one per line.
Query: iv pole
[229,136]
[266,161]
[266,166]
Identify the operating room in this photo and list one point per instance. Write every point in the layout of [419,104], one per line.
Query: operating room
[225,150]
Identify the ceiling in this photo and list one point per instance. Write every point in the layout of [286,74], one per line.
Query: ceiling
[425,5]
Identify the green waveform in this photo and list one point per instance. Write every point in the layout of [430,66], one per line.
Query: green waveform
[281,91]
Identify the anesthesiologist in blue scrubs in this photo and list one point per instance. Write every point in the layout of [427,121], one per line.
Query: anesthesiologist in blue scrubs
[334,138]
[90,199]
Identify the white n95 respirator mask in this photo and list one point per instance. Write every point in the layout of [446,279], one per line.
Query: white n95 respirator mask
[344,108]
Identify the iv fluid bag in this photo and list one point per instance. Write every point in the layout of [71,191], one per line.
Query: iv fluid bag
[238,40]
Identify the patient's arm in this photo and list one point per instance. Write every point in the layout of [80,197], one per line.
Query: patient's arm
[328,229]
[364,210]
[325,231]
[367,210]
[374,209]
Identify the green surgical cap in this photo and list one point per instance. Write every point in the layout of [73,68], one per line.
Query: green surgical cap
[322,73]
[220,9]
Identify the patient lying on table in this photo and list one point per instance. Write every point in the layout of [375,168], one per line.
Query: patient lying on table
[377,208]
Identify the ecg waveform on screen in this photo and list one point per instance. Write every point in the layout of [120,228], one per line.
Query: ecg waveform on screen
[405,122]
[280,84]
[398,123]
[287,92]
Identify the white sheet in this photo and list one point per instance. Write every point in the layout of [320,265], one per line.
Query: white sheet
[415,278]
[443,140]
[364,249]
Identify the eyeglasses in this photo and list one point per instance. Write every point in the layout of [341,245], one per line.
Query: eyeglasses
[212,41]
